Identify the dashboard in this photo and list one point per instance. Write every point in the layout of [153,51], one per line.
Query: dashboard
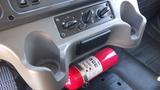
[42,38]
[18,12]
[83,19]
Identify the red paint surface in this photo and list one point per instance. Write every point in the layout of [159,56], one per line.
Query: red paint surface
[107,57]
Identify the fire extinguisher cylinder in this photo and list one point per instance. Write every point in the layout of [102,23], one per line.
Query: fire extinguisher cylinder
[91,67]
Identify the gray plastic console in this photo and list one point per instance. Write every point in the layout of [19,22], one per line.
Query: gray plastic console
[42,57]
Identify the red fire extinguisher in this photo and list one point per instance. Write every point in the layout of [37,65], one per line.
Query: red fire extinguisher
[87,69]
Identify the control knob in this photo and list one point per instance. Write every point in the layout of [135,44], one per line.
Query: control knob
[69,24]
[101,13]
[86,18]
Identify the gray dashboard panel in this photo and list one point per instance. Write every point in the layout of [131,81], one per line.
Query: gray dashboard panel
[46,8]
[30,47]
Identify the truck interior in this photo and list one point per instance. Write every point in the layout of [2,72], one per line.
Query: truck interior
[41,39]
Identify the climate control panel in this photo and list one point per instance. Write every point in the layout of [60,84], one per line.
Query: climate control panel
[83,19]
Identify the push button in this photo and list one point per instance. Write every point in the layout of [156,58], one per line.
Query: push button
[22,3]
[35,2]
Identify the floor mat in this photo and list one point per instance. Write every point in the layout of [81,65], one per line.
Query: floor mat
[128,74]
[148,53]
[10,79]
[153,27]
[7,81]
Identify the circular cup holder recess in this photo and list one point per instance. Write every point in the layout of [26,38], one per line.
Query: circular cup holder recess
[51,64]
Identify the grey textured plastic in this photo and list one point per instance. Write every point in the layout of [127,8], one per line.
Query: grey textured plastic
[43,57]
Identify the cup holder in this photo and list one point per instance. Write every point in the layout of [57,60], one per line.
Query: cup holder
[51,64]
[130,15]
[40,51]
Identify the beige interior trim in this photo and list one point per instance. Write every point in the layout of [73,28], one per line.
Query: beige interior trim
[34,77]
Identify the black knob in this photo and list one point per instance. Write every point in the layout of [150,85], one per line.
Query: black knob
[86,18]
[69,24]
[102,12]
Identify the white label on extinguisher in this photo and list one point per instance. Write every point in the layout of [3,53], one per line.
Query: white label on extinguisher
[91,67]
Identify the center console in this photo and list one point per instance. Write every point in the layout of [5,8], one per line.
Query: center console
[47,36]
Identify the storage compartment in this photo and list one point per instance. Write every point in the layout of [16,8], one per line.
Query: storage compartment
[92,42]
